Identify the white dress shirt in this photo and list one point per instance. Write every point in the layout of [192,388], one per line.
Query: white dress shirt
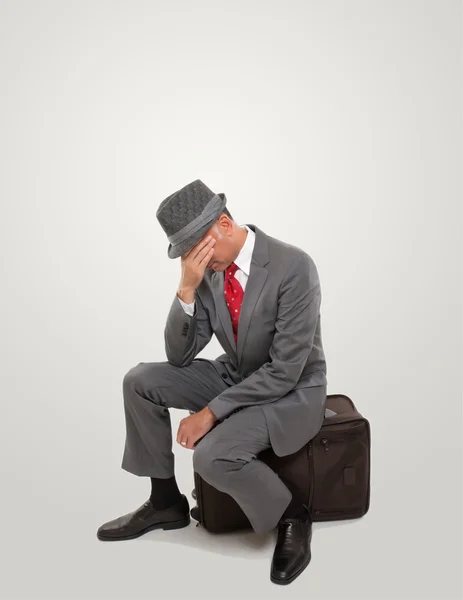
[243,261]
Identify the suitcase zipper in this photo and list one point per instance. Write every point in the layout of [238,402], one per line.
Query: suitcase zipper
[199,494]
[311,477]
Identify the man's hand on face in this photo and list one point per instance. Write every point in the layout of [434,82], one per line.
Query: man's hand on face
[194,263]
[194,427]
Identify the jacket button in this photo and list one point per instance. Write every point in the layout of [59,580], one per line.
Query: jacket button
[224,375]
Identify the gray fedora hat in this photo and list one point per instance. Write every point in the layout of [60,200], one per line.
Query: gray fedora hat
[187,214]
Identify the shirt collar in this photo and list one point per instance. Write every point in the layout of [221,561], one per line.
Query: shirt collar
[243,260]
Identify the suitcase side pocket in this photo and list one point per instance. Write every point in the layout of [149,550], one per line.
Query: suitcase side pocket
[340,472]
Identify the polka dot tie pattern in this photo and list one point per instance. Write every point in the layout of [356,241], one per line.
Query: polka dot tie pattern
[233,296]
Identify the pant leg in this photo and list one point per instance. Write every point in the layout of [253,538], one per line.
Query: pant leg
[226,459]
[149,390]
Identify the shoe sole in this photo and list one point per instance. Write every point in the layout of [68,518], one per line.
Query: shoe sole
[166,526]
[293,577]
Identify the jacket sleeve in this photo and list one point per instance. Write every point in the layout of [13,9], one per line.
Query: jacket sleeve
[186,335]
[297,316]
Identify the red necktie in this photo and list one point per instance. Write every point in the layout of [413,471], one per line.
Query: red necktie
[233,296]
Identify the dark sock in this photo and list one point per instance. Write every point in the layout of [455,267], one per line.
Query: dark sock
[295,508]
[164,492]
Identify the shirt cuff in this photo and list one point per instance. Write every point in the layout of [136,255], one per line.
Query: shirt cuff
[188,308]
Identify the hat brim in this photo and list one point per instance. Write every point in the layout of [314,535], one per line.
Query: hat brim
[176,250]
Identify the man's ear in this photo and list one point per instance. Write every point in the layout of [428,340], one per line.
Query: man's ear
[225,222]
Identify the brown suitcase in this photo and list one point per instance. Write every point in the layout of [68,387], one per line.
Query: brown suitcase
[332,471]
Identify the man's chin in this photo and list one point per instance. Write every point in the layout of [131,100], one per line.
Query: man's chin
[215,267]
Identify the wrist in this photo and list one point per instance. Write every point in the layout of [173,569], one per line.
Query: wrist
[209,414]
[186,294]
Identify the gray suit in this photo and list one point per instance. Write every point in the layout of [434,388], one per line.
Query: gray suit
[276,373]
[279,355]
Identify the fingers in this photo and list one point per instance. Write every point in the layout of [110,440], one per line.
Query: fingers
[200,249]
[204,252]
[180,435]
[184,442]
[182,438]
[195,247]
[206,258]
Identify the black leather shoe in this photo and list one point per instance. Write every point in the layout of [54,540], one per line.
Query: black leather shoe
[193,494]
[292,551]
[145,518]
[194,512]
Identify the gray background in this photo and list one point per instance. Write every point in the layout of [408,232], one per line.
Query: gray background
[335,126]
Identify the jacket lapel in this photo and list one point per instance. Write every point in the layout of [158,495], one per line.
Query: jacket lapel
[256,280]
[254,285]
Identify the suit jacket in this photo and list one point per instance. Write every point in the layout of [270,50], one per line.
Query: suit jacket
[279,356]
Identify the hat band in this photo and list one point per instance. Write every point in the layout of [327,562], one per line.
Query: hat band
[198,222]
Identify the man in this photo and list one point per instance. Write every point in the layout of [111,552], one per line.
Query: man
[261,298]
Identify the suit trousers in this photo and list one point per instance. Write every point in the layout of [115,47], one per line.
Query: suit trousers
[226,457]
